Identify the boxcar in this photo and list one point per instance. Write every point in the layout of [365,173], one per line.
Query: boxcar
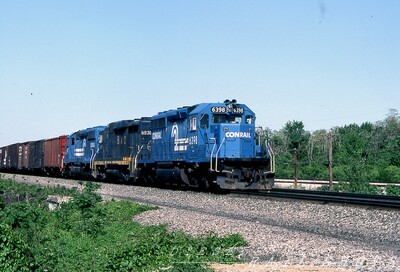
[36,156]
[12,158]
[3,156]
[23,156]
[54,150]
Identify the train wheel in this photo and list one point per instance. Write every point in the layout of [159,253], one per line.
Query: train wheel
[125,176]
[101,176]
[149,180]
[204,183]
[194,182]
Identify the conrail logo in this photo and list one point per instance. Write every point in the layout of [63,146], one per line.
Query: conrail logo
[238,135]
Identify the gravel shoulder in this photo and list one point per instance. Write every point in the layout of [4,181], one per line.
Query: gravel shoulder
[283,235]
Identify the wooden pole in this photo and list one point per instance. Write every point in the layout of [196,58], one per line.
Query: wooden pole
[330,162]
[295,167]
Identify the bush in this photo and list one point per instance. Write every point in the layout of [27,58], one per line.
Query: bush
[392,190]
[373,173]
[14,252]
[357,180]
[23,215]
[87,235]
[313,171]
[156,247]
[356,187]
[284,173]
[390,174]
[83,213]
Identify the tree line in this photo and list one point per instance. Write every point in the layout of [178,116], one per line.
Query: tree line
[366,152]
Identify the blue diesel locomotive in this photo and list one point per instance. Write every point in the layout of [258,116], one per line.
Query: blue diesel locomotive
[122,145]
[208,145]
[80,152]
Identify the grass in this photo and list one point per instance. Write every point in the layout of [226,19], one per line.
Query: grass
[89,235]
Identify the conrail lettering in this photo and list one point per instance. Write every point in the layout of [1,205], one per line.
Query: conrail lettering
[238,135]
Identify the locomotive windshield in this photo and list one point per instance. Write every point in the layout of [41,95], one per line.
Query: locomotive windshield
[231,119]
[223,118]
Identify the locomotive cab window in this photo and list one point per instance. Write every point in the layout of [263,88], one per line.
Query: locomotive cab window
[193,125]
[133,129]
[219,118]
[235,119]
[231,119]
[204,119]
[91,135]
[249,119]
[158,123]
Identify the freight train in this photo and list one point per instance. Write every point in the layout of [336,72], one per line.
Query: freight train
[208,145]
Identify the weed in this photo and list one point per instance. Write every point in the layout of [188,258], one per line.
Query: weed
[88,235]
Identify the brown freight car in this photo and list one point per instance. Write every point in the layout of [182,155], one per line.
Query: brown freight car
[54,150]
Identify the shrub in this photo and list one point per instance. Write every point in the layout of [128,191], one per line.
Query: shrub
[390,174]
[313,171]
[156,247]
[86,235]
[23,215]
[356,175]
[83,213]
[392,190]
[14,252]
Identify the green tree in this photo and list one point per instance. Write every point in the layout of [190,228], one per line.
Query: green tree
[295,133]
[373,148]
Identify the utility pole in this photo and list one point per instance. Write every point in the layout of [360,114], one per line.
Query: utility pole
[330,162]
[295,167]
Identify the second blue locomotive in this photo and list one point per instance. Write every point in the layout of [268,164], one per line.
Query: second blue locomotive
[205,145]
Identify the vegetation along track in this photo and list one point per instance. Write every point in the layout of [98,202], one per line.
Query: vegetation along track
[278,230]
[327,197]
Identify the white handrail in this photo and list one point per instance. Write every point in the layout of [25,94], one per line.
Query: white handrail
[216,155]
[135,159]
[212,151]
[272,157]
[91,159]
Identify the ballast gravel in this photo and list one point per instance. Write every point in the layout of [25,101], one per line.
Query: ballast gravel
[279,232]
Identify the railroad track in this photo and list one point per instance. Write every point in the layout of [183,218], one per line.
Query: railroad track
[329,197]
[313,184]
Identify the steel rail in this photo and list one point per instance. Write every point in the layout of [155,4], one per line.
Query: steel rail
[328,197]
[309,182]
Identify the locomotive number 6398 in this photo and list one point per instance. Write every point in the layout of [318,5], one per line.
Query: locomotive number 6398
[218,109]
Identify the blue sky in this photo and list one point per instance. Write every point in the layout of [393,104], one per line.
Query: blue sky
[68,65]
